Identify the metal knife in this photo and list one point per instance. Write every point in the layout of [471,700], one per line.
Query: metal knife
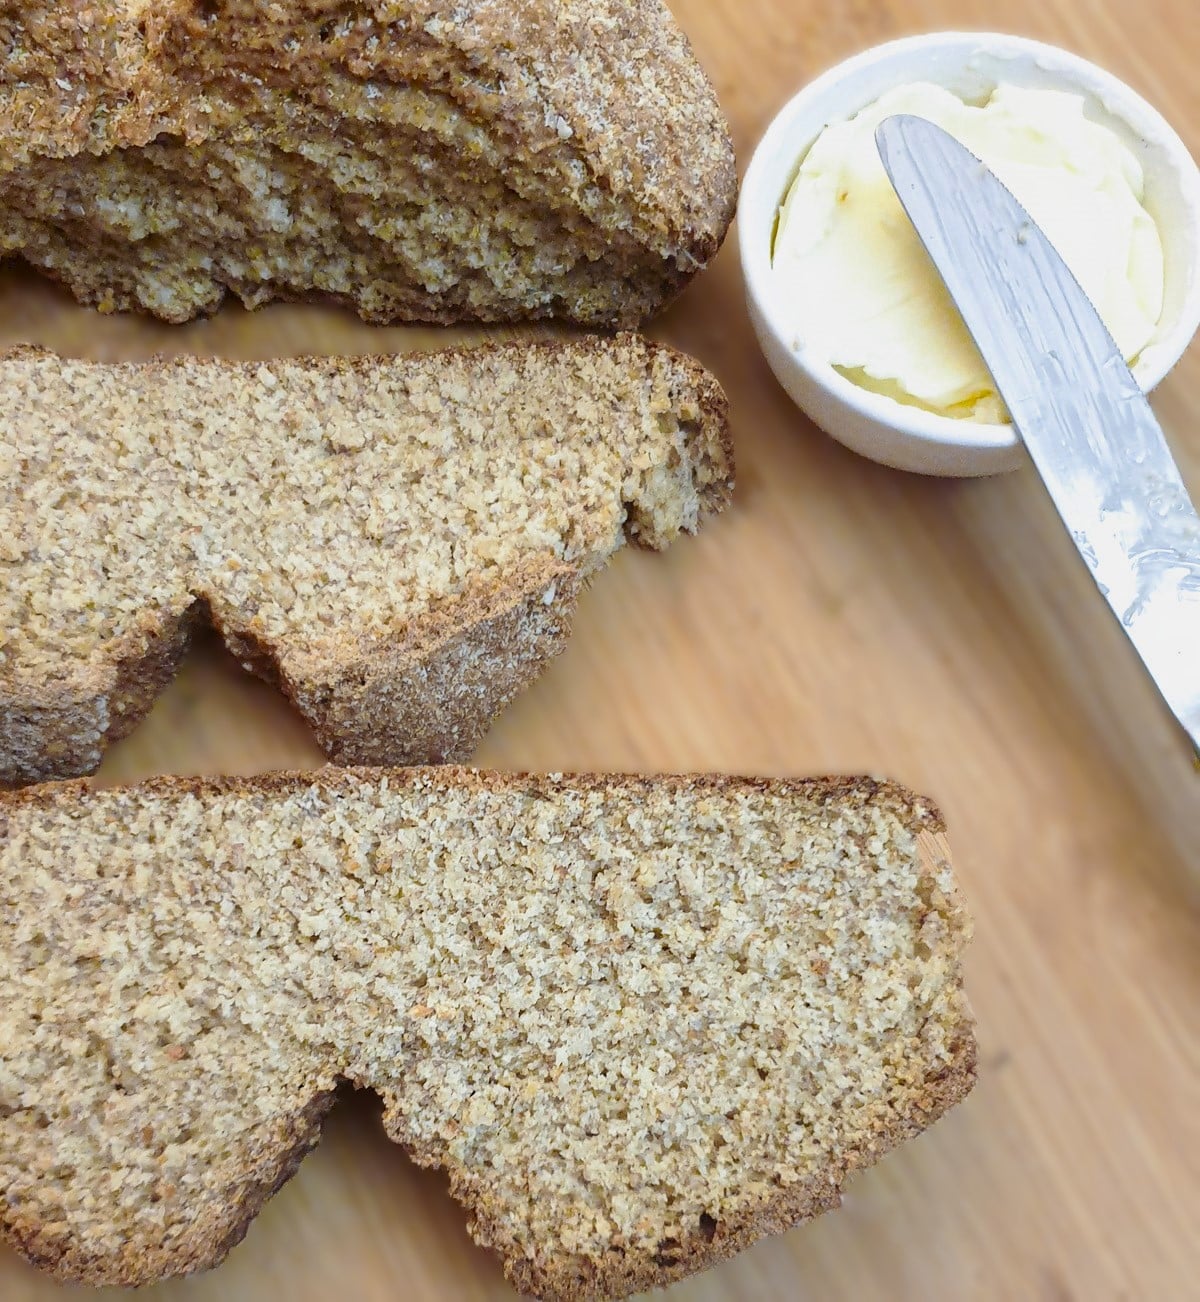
[1083,418]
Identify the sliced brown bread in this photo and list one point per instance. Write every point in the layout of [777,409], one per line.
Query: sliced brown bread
[418,159]
[640,1021]
[398,541]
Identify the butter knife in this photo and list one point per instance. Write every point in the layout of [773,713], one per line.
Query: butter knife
[1082,416]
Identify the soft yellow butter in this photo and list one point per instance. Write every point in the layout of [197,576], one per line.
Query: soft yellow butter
[860,291]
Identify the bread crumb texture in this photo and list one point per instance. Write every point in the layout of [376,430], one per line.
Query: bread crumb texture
[640,1022]
[399,541]
[429,160]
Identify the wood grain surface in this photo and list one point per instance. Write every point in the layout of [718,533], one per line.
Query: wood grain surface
[841,618]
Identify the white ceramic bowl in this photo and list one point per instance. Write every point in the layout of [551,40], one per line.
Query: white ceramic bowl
[970,64]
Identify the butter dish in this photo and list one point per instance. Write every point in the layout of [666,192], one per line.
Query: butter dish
[971,66]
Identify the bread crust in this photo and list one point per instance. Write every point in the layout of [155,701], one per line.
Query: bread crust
[274,1154]
[918,812]
[645,182]
[428,690]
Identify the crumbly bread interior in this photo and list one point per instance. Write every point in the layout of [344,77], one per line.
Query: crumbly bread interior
[420,160]
[321,510]
[305,497]
[640,1021]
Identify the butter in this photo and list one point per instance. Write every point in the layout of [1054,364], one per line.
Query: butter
[859,291]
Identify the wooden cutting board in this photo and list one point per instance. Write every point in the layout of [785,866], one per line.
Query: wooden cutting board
[841,618]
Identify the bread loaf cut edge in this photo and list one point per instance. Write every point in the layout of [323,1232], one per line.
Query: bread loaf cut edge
[580,1281]
[693,197]
[214,1236]
[552,1280]
[429,695]
[61,730]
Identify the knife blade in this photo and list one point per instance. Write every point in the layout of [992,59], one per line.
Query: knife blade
[1082,416]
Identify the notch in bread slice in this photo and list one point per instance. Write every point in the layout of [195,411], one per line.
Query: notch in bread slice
[641,1022]
[418,160]
[399,542]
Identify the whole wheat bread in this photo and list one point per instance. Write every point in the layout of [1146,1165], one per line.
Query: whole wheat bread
[398,541]
[420,160]
[640,1021]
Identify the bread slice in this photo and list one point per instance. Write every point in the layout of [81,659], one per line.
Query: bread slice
[418,160]
[399,541]
[640,1021]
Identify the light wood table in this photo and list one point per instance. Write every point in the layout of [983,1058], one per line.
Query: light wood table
[840,618]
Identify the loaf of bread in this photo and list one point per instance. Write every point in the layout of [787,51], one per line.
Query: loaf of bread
[641,1022]
[399,542]
[416,159]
